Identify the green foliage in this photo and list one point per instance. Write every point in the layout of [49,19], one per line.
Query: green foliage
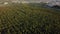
[25,19]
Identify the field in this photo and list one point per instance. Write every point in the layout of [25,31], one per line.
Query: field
[29,19]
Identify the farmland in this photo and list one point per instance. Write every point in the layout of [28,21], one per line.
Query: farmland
[28,19]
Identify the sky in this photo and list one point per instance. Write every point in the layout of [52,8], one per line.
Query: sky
[31,0]
[27,0]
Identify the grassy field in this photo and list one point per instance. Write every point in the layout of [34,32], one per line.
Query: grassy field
[28,19]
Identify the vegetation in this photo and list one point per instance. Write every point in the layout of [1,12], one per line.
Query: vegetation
[28,19]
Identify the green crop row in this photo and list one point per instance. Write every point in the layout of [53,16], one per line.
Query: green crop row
[26,19]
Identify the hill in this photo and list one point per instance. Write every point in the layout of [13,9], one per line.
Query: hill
[28,19]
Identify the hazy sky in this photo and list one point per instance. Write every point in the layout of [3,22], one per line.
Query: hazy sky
[31,0]
[42,0]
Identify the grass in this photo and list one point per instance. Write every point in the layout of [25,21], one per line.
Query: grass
[26,19]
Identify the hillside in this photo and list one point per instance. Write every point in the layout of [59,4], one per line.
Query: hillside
[28,19]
